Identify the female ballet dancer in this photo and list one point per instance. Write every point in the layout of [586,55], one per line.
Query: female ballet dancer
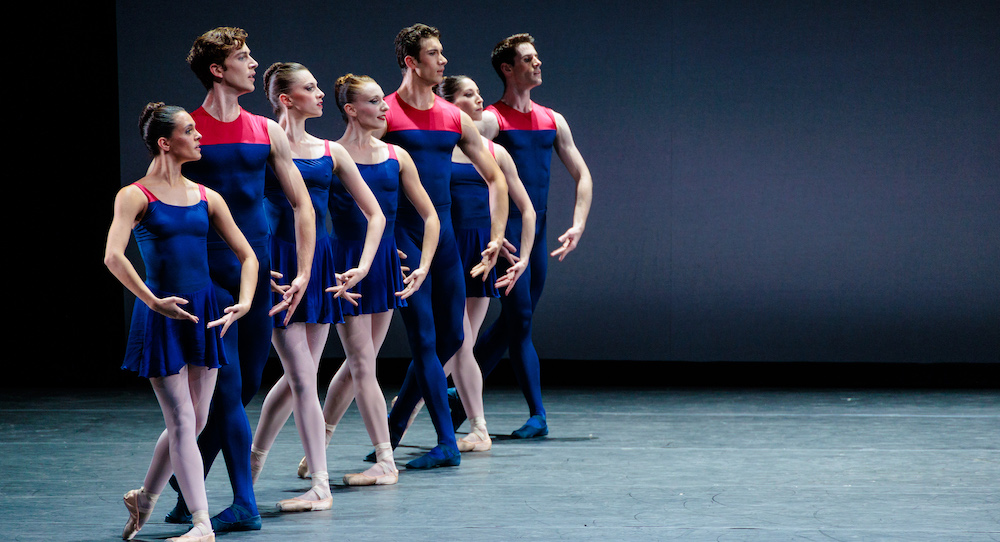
[168,343]
[386,168]
[295,97]
[470,210]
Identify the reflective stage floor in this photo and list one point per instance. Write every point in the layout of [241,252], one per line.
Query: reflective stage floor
[697,464]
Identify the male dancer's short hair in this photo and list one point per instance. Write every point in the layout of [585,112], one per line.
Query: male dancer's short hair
[408,42]
[506,51]
[213,47]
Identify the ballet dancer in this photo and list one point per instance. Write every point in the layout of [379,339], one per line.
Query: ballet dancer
[237,147]
[429,128]
[387,169]
[174,338]
[470,212]
[295,96]
[529,132]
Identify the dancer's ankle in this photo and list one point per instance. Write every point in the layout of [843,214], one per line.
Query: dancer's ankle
[257,458]
[321,485]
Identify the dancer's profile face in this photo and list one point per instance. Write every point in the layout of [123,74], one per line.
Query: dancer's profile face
[527,68]
[468,99]
[369,106]
[430,64]
[184,142]
[305,96]
[239,70]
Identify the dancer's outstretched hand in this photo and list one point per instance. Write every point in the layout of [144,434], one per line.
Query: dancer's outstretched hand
[513,273]
[569,241]
[171,308]
[490,255]
[275,287]
[231,314]
[412,282]
[345,281]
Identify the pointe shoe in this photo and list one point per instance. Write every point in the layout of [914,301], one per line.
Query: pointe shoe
[467,445]
[389,478]
[136,517]
[301,505]
[188,537]
[303,470]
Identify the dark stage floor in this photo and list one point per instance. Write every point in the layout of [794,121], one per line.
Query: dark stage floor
[646,464]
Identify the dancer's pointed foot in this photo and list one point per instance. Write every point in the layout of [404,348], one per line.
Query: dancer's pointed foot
[439,456]
[534,427]
[257,458]
[138,512]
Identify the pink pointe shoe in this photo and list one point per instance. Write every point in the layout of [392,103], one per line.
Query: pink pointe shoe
[387,478]
[202,532]
[136,516]
[189,537]
[297,504]
[474,443]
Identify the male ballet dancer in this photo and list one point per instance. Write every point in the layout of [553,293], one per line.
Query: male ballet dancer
[530,133]
[429,128]
[236,148]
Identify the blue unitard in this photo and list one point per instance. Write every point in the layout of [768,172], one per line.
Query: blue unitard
[434,314]
[233,160]
[385,278]
[172,243]
[317,305]
[529,138]
[470,213]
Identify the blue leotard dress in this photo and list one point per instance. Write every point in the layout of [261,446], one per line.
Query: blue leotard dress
[385,278]
[172,243]
[470,212]
[317,305]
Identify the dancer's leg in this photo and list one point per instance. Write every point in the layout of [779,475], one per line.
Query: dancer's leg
[295,349]
[280,401]
[359,334]
[468,378]
[184,400]
[247,345]
[514,323]
[420,317]
[462,367]
[340,392]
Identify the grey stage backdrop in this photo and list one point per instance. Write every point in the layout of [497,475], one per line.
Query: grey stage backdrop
[774,181]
